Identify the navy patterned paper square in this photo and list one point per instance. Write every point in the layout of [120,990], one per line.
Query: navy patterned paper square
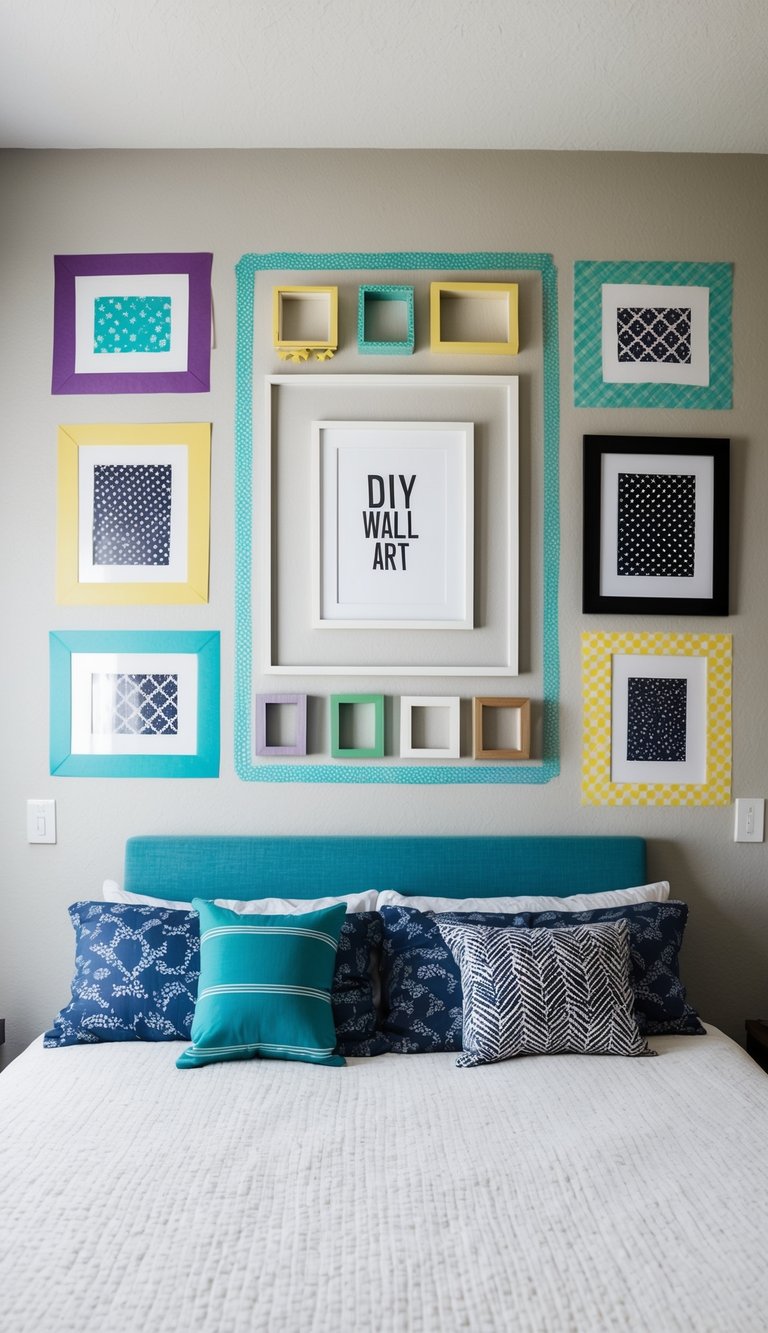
[656,524]
[657,716]
[656,335]
[141,705]
[132,514]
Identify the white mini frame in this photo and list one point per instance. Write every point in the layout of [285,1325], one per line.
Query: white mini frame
[394,536]
[450,705]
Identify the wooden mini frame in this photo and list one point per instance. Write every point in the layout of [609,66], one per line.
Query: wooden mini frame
[316,311]
[379,294]
[343,701]
[261,729]
[502,297]
[410,704]
[522,708]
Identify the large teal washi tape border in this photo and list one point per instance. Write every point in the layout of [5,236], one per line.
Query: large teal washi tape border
[247,270]
[589,387]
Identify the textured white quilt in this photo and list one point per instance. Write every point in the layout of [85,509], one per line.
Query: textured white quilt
[548,1193]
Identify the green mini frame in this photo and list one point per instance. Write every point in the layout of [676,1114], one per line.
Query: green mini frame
[340,701]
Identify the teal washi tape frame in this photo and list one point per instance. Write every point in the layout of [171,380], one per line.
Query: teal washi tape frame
[204,644]
[247,269]
[589,387]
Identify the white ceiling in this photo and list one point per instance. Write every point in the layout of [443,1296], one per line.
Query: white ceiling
[644,75]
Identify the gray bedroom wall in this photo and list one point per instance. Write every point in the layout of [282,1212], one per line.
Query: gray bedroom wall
[572,205]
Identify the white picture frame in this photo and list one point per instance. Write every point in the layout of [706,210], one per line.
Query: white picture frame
[283,579]
[394,524]
[655,296]
[675,720]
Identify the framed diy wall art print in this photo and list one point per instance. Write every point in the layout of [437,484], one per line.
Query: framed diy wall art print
[394,524]
[134,704]
[133,323]
[652,334]
[657,719]
[656,524]
[133,513]
[275,502]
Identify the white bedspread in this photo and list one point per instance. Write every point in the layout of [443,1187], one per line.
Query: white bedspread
[398,1194]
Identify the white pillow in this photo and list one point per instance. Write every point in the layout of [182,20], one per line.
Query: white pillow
[577,902]
[356,902]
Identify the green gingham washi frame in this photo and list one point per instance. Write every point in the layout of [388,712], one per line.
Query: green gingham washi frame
[247,269]
[589,387]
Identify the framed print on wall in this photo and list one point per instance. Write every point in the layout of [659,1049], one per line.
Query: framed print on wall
[652,334]
[656,523]
[276,505]
[134,704]
[657,719]
[133,513]
[395,524]
[311,627]
[136,323]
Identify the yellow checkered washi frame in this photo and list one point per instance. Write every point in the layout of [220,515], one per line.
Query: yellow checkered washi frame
[597,652]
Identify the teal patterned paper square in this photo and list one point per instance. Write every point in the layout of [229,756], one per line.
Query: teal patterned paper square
[670,340]
[132,324]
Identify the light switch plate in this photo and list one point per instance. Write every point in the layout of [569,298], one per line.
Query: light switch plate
[41,821]
[750,819]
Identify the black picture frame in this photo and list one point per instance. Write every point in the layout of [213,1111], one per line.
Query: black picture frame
[625,514]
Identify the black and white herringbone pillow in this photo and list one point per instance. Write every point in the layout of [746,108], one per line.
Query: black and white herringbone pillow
[541,991]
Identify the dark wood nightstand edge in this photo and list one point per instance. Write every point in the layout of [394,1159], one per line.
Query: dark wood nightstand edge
[757,1041]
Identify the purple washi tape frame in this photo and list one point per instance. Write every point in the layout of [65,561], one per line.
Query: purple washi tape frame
[197,376]
[299,701]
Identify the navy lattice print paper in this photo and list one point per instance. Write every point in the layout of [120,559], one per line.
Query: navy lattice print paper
[132,514]
[654,334]
[656,524]
[657,718]
[140,705]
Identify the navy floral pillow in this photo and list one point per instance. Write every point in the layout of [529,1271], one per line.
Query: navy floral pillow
[421,984]
[352,1001]
[136,972]
[137,968]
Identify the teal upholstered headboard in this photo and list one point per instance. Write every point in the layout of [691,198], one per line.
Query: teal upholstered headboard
[250,867]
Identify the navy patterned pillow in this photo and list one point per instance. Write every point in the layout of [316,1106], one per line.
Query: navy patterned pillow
[136,972]
[421,983]
[137,968]
[352,1000]
[540,992]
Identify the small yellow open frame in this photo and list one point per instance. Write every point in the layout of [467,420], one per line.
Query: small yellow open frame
[474,317]
[521,709]
[305,322]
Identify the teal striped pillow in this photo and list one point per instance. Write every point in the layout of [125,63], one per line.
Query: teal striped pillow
[265,987]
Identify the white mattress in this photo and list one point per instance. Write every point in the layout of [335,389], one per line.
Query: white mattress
[398,1194]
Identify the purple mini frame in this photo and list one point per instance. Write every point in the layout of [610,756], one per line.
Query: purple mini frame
[196,377]
[299,701]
